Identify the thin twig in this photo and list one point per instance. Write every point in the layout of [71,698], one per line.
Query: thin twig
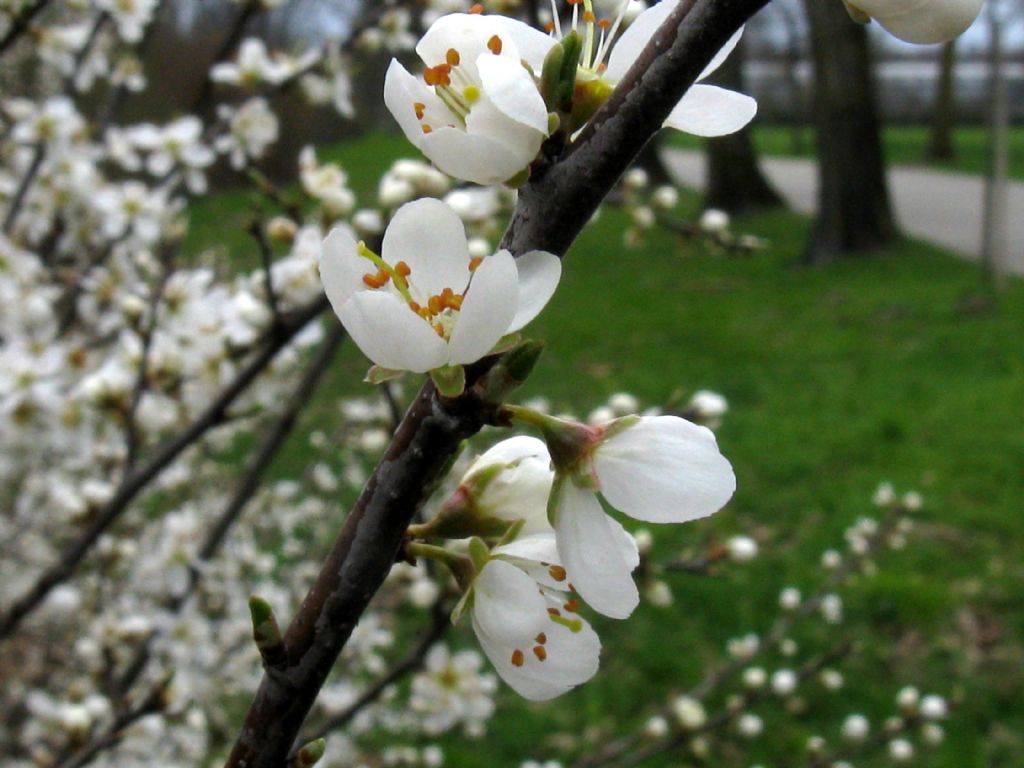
[255,229]
[722,718]
[780,629]
[109,513]
[83,53]
[39,152]
[246,488]
[439,624]
[20,24]
[131,426]
[115,97]
[153,702]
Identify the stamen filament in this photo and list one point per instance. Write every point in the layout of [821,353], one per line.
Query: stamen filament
[603,50]
[452,100]
[588,45]
[401,284]
[555,20]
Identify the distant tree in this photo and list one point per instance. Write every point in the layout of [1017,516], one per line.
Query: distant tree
[854,213]
[994,237]
[940,142]
[735,181]
[794,54]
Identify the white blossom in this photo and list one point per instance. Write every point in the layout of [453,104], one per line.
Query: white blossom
[657,469]
[423,303]
[476,112]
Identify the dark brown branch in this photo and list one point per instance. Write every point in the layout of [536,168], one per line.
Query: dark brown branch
[115,97]
[431,432]
[876,740]
[83,53]
[560,198]
[723,717]
[244,491]
[39,152]
[131,426]
[552,210]
[40,148]
[255,229]
[20,24]
[204,98]
[439,623]
[111,737]
[135,482]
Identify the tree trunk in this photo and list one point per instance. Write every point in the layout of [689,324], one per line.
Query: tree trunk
[854,213]
[735,182]
[995,243]
[940,143]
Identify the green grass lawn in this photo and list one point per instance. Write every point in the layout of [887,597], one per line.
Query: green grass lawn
[875,368]
[904,145]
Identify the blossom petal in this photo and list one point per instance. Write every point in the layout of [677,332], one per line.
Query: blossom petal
[707,110]
[507,603]
[341,267]
[664,470]
[466,33]
[509,615]
[539,548]
[532,44]
[539,273]
[519,139]
[573,655]
[391,334]
[402,92]
[513,450]
[635,39]
[520,491]
[597,552]
[472,157]
[922,21]
[723,53]
[487,310]
[511,89]
[428,236]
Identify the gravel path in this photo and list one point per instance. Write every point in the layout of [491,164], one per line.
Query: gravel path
[936,206]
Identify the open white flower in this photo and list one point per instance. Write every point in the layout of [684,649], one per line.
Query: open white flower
[527,624]
[660,469]
[918,21]
[424,304]
[476,111]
